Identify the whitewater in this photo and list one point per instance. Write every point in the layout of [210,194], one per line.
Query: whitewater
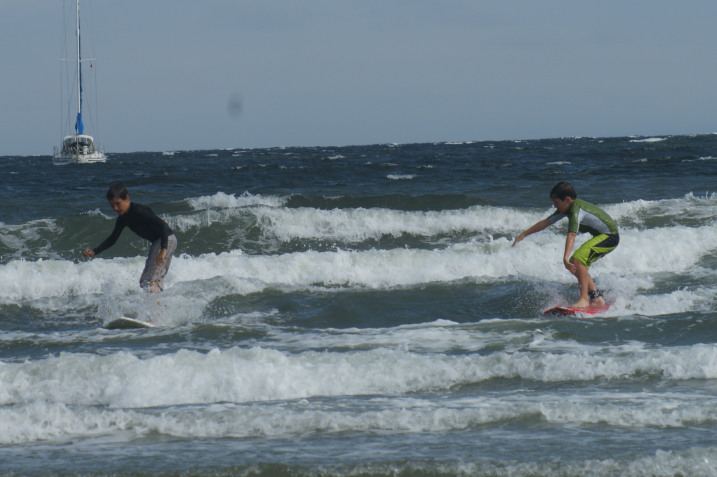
[361,311]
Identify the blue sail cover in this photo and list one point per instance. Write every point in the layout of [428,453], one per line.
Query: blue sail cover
[79,125]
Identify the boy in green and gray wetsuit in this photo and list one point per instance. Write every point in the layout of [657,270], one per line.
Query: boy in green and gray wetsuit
[583,217]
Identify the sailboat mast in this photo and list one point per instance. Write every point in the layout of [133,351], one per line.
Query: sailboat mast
[77,148]
[79,126]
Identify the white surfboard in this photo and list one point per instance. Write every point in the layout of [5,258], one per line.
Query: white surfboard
[125,322]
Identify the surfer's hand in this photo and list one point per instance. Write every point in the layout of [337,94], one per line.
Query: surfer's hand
[88,252]
[569,265]
[518,239]
[162,256]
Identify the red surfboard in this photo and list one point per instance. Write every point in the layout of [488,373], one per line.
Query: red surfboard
[572,311]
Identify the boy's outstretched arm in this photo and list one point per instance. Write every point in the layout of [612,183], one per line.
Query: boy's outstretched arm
[536,227]
[109,241]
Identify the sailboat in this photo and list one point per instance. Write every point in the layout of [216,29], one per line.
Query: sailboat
[78,148]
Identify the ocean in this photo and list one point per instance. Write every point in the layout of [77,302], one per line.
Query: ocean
[360,311]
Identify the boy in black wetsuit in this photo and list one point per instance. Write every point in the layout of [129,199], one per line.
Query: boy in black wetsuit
[142,221]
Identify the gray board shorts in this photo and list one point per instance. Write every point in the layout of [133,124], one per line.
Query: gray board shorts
[154,272]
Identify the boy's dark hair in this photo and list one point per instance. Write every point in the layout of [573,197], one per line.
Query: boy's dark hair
[117,189]
[563,189]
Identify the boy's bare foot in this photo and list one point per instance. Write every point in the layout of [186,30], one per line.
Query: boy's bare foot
[581,304]
[599,301]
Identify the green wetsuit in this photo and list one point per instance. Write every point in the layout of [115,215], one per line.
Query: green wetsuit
[586,217]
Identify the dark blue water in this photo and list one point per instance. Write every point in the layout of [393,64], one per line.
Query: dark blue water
[360,311]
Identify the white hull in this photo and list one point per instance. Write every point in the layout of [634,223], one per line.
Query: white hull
[61,159]
[78,149]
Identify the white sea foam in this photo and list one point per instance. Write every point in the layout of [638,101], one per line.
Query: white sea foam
[691,205]
[694,462]
[358,224]
[41,420]
[224,200]
[221,208]
[629,269]
[19,278]
[629,301]
[241,376]
[96,213]
[401,177]
[17,237]
[649,140]
[645,251]
[438,336]
[355,225]
[702,158]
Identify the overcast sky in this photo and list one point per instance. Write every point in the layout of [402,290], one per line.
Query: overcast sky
[191,74]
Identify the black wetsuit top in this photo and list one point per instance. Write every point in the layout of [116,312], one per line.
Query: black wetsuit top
[141,220]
